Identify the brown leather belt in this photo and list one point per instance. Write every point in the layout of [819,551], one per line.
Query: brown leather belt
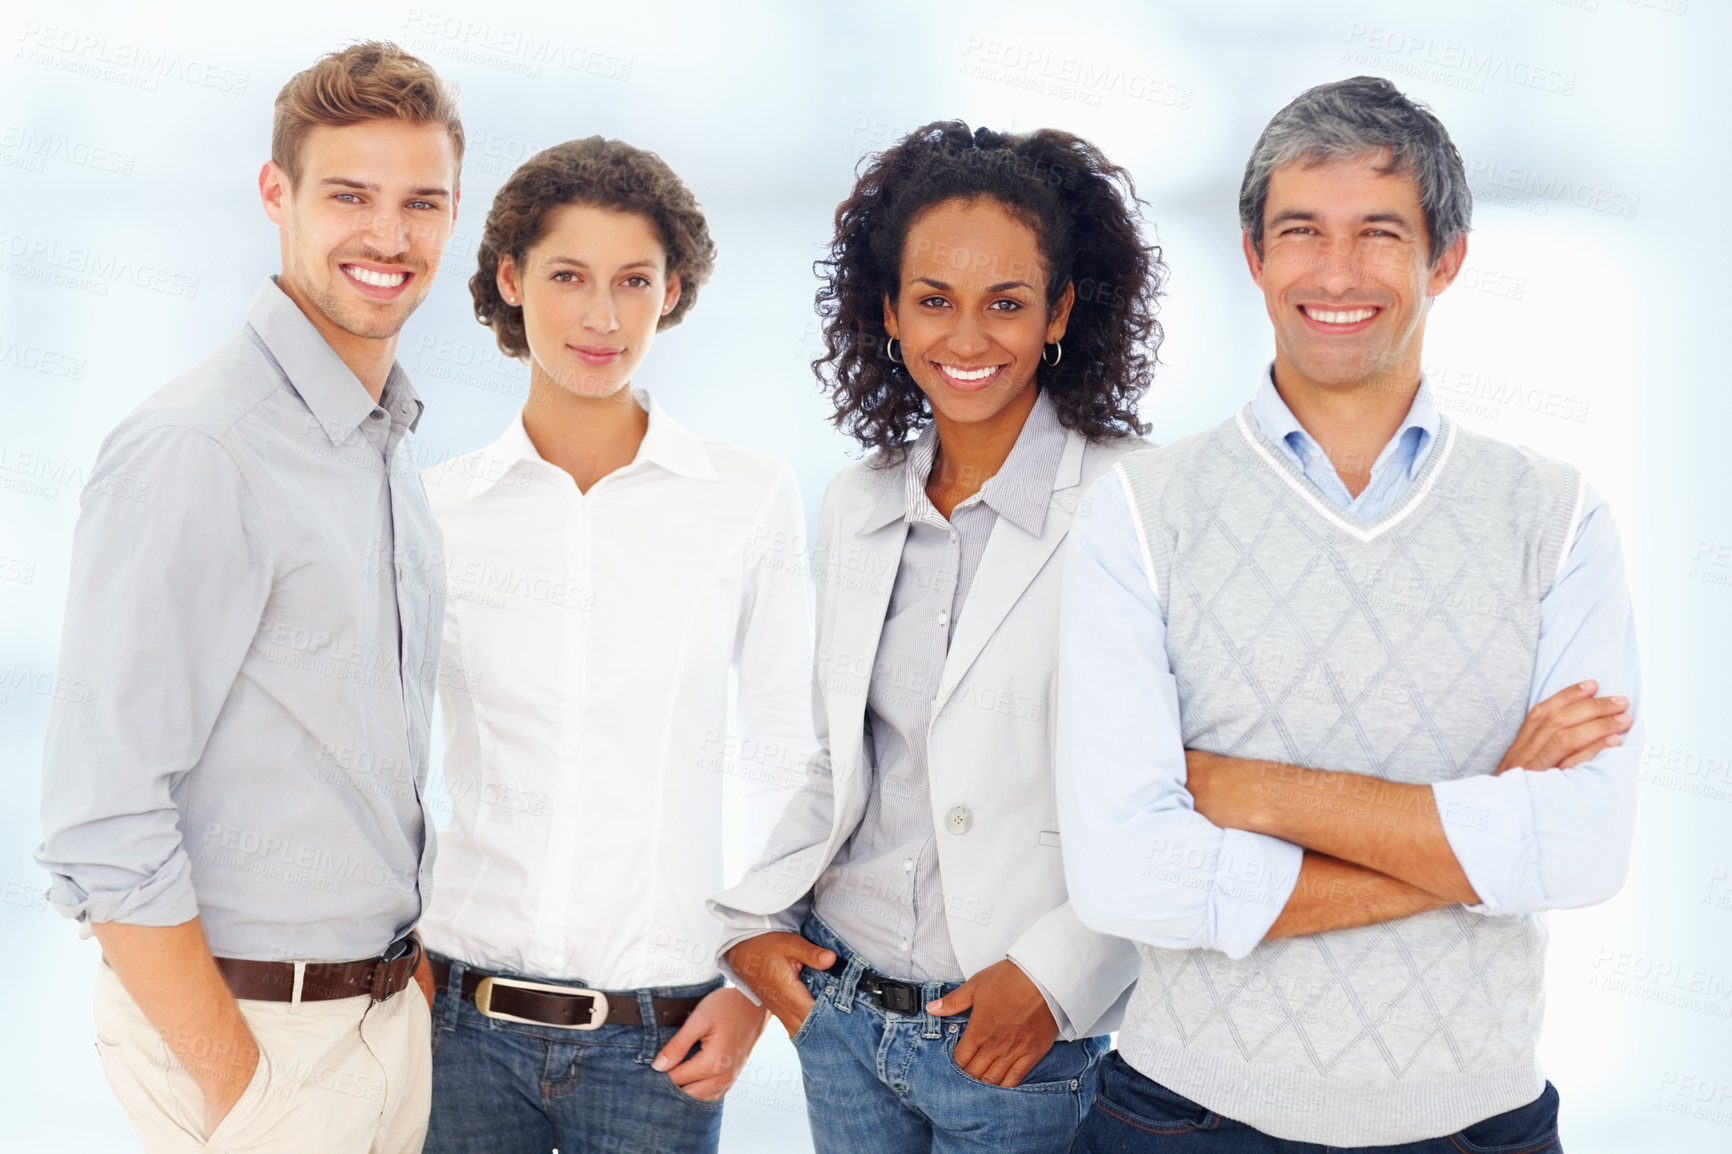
[378,977]
[546,1004]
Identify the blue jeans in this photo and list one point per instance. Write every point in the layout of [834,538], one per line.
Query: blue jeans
[510,1088]
[1133,1114]
[880,1081]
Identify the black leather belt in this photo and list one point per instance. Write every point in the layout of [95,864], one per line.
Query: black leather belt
[547,1004]
[885,993]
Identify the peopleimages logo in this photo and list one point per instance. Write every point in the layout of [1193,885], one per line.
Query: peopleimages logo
[1066,77]
[504,47]
[1456,65]
[122,61]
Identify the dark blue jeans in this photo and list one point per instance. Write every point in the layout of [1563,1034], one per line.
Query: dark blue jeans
[510,1088]
[884,1082]
[1137,1115]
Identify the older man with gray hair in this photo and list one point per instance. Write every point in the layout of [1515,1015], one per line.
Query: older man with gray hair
[1328,745]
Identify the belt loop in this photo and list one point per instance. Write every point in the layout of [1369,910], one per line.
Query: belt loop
[454,978]
[850,982]
[646,1008]
[932,1026]
[300,978]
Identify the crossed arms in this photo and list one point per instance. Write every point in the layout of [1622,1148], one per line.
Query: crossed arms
[1185,850]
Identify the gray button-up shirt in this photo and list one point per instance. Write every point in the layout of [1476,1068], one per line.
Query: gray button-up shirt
[254,618]
[883,894]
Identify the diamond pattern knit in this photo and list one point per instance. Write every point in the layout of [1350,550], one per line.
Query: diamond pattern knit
[1402,648]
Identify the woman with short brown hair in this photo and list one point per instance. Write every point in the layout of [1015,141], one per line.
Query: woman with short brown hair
[608,573]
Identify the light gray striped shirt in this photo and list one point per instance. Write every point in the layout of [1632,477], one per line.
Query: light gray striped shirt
[254,611]
[883,894]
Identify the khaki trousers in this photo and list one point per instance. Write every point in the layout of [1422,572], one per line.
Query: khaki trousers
[349,1076]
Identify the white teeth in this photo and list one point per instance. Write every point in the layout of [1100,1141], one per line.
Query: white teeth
[969,374]
[1352,316]
[376,279]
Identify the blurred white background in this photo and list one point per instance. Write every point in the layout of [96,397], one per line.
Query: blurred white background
[1594,134]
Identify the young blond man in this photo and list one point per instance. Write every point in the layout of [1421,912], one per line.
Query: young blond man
[239,818]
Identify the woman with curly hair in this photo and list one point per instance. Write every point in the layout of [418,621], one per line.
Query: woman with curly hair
[608,571]
[989,307]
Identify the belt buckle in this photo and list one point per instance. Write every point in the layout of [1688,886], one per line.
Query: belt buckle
[484,1002]
[407,946]
[897,997]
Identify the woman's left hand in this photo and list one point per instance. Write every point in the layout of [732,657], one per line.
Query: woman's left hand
[728,1025]
[1010,1030]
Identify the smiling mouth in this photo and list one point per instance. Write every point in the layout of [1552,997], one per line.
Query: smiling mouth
[976,378]
[596,355]
[1339,317]
[373,278]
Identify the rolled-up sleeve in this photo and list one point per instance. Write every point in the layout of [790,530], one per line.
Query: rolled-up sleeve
[1140,861]
[170,574]
[1534,840]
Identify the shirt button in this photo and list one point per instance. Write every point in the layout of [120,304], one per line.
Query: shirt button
[959,819]
[904,943]
[908,865]
[377,414]
[943,619]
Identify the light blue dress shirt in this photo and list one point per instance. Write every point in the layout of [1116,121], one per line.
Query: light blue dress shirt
[1550,839]
[258,610]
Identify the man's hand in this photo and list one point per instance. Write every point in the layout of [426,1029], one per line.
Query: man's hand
[1010,1030]
[770,964]
[172,977]
[1567,728]
[727,1025]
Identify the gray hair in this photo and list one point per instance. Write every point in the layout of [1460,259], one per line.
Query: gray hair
[1351,118]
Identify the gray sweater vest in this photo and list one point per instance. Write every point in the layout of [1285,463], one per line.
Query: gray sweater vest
[1401,648]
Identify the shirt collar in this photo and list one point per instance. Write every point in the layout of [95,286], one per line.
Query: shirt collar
[1020,492]
[666,443]
[1414,438]
[330,390]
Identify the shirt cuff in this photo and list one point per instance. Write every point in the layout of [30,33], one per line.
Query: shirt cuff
[742,927]
[1066,1031]
[165,898]
[1255,875]
[1489,824]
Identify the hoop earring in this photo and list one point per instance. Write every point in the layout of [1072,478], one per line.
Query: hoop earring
[889,354]
[1056,357]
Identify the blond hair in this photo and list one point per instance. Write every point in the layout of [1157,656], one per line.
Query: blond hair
[372,80]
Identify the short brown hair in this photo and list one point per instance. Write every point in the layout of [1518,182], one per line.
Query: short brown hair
[372,80]
[598,173]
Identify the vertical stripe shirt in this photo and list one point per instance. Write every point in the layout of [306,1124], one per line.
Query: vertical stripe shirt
[882,894]
[253,616]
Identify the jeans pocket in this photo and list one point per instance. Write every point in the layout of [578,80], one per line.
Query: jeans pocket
[819,1001]
[1060,1070]
[1140,1101]
[1529,1129]
[690,1099]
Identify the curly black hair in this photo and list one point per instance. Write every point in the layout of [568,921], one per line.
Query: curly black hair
[1083,211]
[600,173]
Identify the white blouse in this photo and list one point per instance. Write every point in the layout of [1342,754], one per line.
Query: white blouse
[585,698]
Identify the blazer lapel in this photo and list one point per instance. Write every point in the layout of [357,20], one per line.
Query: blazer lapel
[1012,559]
[862,565]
